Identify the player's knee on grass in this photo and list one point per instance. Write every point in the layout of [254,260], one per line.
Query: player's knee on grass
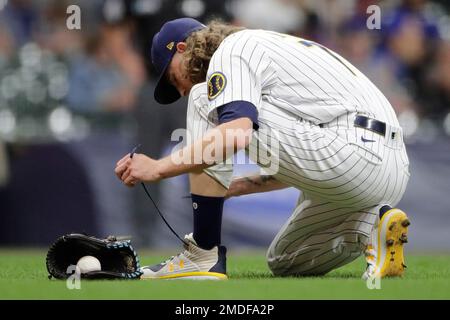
[329,255]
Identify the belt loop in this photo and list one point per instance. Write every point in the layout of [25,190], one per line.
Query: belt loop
[394,136]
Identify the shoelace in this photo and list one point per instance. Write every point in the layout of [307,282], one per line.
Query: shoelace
[154,203]
[186,248]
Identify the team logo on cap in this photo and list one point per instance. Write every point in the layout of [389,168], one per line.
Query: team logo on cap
[216,84]
[170,45]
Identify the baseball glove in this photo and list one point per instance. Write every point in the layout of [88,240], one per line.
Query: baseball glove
[118,259]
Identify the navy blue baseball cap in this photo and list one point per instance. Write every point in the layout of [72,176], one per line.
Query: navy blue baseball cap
[164,46]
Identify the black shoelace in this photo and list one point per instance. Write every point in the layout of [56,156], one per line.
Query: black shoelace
[154,203]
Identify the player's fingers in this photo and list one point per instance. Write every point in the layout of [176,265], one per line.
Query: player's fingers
[124,159]
[119,170]
[125,163]
[125,174]
[131,184]
[129,181]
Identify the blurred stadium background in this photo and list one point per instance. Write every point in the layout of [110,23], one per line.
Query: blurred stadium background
[73,102]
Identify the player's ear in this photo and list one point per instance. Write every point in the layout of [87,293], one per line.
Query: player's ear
[181,47]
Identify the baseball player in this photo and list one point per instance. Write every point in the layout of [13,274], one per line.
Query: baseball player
[333,135]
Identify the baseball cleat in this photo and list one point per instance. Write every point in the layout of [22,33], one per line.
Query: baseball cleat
[385,256]
[194,263]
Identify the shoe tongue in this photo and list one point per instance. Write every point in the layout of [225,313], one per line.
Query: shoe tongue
[189,239]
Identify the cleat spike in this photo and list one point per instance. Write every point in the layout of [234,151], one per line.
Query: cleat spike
[406,223]
[404,266]
[392,226]
[403,238]
[390,242]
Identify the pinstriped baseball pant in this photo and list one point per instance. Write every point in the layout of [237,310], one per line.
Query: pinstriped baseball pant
[320,236]
[346,174]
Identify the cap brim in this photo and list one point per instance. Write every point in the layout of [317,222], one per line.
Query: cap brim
[165,93]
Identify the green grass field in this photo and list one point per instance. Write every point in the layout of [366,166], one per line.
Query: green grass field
[23,276]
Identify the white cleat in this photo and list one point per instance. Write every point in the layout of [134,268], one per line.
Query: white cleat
[194,263]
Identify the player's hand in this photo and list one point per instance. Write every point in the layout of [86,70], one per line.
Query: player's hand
[139,168]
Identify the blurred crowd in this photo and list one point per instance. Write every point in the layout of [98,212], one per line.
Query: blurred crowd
[92,89]
[50,75]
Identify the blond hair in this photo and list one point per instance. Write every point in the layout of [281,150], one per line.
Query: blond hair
[201,45]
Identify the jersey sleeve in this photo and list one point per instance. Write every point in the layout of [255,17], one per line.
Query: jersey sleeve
[237,72]
[238,109]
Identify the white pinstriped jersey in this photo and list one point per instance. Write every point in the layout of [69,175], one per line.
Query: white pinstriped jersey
[343,184]
[289,80]
[295,76]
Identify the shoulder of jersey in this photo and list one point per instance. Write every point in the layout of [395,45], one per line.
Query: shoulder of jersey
[198,90]
[235,38]
[245,34]
[242,35]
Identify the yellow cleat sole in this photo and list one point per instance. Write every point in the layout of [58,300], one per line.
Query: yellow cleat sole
[392,235]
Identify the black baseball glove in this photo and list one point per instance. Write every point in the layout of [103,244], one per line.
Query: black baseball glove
[118,259]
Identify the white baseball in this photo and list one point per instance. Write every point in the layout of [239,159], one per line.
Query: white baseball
[88,264]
